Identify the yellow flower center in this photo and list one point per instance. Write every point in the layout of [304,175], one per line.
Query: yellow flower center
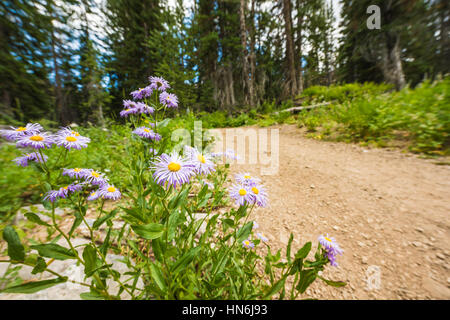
[201,158]
[127,110]
[242,192]
[111,189]
[95,174]
[146,130]
[140,89]
[328,239]
[174,167]
[255,190]
[36,138]
[65,188]
[21,129]
[247,242]
[71,139]
[77,169]
[93,194]
[247,177]
[76,134]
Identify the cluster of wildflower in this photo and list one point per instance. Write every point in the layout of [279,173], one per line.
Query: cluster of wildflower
[331,247]
[24,159]
[174,170]
[32,136]
[248,190]
[147,133]
[131,107]
[157,85]
[90,177]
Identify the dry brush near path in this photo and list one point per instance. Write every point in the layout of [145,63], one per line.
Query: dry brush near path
[388,210]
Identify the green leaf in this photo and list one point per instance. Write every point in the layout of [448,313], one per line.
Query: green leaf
[303,252]
[90,260]
[244,232]
[184,260]
[55,251]
[288,249]
[275,288]
[157,251]
[36,219]
[91,296]
[135,248]
[149,231]
[172,224]
[157,276]
[16,250]
[34,286]
[306,278]
[76,222]
[40,266]
[333,283]
[103,219]
[178,199]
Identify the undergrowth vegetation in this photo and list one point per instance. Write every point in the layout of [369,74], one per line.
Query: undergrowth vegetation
[419,117]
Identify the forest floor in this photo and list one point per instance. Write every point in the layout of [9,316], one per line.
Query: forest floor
[388,210]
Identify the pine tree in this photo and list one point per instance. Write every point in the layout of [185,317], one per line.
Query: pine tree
[24,84]
[129,24]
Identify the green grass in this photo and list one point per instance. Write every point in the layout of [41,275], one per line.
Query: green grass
[419,117]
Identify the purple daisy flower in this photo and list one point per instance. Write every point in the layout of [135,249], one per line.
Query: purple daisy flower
[75,187]
[331,247]
[52,195]
[76,173]
[20,132]
[23,160]
[93,196]
[159,83]
[127,112]
[248,244]
[172,169]
[142,93]
[147,133]
[36,141]
[95,178]
[108,191]
[202,162]
[261,237]
[143,108]
[241,194]
[259,195]
[247,179]
[71,139]
[255,225]
[169,100]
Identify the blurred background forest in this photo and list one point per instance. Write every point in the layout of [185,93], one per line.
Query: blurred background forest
[75,60]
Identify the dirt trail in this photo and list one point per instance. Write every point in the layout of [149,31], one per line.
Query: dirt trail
[387,209]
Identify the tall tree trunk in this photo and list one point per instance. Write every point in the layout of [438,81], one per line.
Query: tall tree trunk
[252,52]
[391,63]
[299,51]
[292,82]
[58,89]
[248,98]
[6,97]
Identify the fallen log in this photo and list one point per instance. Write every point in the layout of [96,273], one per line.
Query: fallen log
[298,109]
